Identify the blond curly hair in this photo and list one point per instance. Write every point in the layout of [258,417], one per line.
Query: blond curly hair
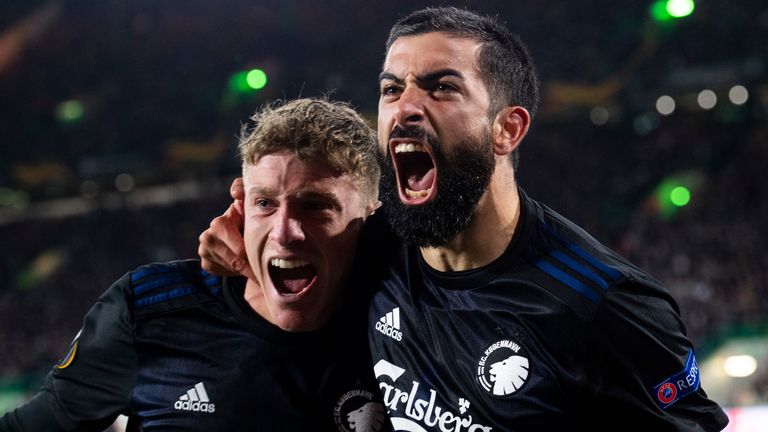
[328,132]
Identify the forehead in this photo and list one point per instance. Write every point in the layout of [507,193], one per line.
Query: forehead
[432,51]
[283,172]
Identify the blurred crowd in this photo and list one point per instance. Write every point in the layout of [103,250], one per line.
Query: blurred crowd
[90,89]
[153,98]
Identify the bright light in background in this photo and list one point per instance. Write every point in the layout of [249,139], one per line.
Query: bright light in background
[665,105]
[739,366]
[738,95]
[680,8]
[256,79]
[659,11]
[675,192]
[680,196]
[666,10]
[707,99]
[599,115]
[238,82]
[247,81]
[731,374]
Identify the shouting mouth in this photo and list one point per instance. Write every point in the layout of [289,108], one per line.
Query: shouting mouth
[415,171]
[292,277]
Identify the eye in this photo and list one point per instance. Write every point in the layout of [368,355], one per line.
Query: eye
[263,204]
[389,90]
[445,87]
[316,206]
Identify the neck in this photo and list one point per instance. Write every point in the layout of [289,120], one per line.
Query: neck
[255,297]
[488,235]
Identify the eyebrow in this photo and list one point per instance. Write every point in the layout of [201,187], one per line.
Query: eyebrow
[427,77]
[391,77]
[302,194]
[308,194]
[260,190]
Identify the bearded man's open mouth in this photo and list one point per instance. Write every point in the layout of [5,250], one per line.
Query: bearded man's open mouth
[415,170]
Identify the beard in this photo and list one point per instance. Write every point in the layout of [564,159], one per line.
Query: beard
[463,177]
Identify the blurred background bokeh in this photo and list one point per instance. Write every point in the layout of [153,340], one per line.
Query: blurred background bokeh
[119,118]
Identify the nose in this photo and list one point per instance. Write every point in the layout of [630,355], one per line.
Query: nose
[410,107]
[287,228]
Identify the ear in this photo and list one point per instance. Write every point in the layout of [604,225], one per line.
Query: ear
[371,208]
[509,128]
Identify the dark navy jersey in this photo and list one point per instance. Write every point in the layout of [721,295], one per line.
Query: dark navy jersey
[558,333]
[175,348]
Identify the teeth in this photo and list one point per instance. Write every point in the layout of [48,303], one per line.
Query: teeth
[288,264]
[417,194]
[409,148]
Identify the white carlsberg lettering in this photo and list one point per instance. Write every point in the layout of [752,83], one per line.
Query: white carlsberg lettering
[427,412]
[411,400]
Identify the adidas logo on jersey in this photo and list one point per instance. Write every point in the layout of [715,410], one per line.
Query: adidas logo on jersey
[195,400]
[389,324]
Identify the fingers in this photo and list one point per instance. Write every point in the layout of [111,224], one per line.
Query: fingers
[234,216]
[212,258]
[239,207]
[222,249]
[237,189]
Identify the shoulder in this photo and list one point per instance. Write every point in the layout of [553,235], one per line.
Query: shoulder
[572,256]
[171,285]
[579,264]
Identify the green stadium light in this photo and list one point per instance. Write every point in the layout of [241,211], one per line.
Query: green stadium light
[672,194]
[256,79]
[666,10]
[680,196]
[247,81]
[659,11]
[680,8]
[70,111]
[238,82]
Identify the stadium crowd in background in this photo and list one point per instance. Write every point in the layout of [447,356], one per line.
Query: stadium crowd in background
[156,103]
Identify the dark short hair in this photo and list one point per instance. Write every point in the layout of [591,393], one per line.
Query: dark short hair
[506,66]
[317,130]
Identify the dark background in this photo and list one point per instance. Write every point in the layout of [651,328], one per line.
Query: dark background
[141,172]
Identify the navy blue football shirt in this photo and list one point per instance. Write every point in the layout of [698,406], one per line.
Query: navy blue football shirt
[558,333]
[175,348]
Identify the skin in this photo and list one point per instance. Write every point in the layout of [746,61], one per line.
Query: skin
[302,213]
[432,81]
[221,247]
